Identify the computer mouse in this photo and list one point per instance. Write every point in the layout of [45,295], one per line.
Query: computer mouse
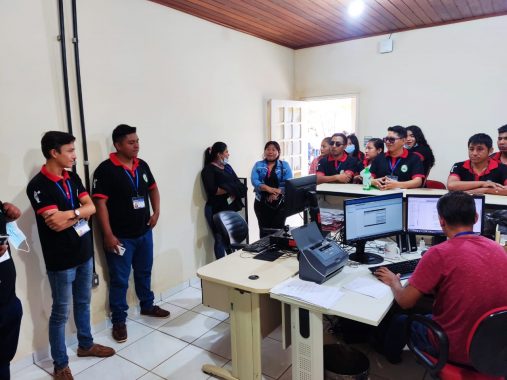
[253,277]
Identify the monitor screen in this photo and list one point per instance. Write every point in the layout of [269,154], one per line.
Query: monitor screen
[422,215]
[300,194]
[373,217]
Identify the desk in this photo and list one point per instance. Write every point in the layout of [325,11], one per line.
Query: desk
[253,314]
[355,191]
[307,352]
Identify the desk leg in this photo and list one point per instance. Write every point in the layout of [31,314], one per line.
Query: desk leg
[245,338]
[307,352]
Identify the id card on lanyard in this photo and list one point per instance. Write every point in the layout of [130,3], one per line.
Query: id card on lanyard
[138,202]
[393,168]
[81,227]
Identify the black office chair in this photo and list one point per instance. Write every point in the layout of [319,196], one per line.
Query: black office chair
[233,229]
[486,347]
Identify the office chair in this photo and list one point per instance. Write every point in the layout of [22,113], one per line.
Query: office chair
[486,347]
[430,184]
[233,229]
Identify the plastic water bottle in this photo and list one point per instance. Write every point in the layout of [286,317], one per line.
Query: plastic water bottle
[366,178]
[422,245]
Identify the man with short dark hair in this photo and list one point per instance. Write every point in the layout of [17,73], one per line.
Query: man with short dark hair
[123,188]
[62,207]
[397,168]
[11,310]
[466,274]
[479,174]
[501,155]
[338,167]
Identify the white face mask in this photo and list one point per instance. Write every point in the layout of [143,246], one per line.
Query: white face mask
[16,236]
[225,161]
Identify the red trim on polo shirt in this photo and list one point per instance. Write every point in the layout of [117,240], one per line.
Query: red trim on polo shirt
[496,156]
[50,207]
[101,196]
[455,175]
[320,173]
[53,177]
[114,159]
[419,155]
[365,162]
[418,176]
[152,186]
[343,158]
[83,194]
[492,164]
[404,154]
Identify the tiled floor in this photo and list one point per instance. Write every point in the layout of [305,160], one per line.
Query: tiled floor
[177,347]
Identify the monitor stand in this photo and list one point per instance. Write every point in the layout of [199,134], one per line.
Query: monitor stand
[363,257]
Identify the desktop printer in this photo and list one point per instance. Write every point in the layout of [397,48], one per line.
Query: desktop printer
[319,259]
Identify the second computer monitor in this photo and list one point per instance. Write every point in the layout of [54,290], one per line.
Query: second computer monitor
[422,215]
[300,194]
[370,218]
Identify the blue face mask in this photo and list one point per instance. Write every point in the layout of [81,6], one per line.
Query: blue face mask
[350,149]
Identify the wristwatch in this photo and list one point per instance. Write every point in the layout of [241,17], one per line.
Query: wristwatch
[77,213]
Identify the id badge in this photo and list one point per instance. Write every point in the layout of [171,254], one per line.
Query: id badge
[138,203]
[392,177]
[81,227]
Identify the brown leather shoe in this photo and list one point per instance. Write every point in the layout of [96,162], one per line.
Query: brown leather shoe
[63,374]
[120,332]
[97,350]
[156,312]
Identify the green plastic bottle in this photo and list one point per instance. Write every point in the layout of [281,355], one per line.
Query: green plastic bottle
[366,178]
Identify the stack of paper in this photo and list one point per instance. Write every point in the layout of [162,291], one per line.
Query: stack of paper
[369,287]
[331,218]
[309,292]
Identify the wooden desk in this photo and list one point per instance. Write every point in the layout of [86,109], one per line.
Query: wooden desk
[355,191]
[307,352]
[226,286]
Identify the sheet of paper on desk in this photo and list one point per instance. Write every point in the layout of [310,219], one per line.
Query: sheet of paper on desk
[368,286]
[310,292]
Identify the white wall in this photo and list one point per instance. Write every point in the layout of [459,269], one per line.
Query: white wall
[449,80]
[182,81]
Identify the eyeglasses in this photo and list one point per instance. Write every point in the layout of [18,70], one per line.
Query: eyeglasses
[337,143]
[391,140]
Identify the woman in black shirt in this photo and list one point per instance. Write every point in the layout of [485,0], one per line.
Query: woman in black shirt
[416,143]
[223,189]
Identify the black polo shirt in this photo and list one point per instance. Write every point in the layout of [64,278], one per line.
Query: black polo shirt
[345,164]
[495,172]
[119,185]
[424,153]
[406,167]
[65,249]
[497,156]
[7,269]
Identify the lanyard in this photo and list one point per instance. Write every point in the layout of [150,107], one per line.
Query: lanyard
[464,233]
[136,184]
[68,195]
[395,165]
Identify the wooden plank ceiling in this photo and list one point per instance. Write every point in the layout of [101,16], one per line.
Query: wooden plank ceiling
[303,23]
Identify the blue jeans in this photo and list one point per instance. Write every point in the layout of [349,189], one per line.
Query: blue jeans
[76,284]
[219,247]
[138,256]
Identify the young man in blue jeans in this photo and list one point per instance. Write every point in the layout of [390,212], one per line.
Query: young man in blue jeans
[62,207]
[123,188]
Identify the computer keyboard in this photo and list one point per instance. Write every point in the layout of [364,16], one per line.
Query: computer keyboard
[269,255]
[259,245]
[404,268]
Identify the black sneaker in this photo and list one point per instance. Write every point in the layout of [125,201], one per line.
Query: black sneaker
[156,312]
[120,332]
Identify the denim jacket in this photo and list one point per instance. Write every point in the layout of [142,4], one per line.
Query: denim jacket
[260,170]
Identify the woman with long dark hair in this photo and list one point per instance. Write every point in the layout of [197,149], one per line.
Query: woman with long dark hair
[223,189]
[268,178]
[416,143]
[352,148]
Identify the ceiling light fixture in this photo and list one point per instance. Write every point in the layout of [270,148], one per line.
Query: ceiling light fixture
[356,7]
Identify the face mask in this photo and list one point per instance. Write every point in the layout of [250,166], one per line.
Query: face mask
[225,161]
[16,236]
[350,149]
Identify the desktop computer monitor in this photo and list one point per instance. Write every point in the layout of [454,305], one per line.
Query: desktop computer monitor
[300,194]
[371,218]
[422,215]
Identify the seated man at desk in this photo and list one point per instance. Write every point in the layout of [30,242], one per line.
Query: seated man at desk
[338,167]
[397,168]
[501,155]
[466,274]
[479,174]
